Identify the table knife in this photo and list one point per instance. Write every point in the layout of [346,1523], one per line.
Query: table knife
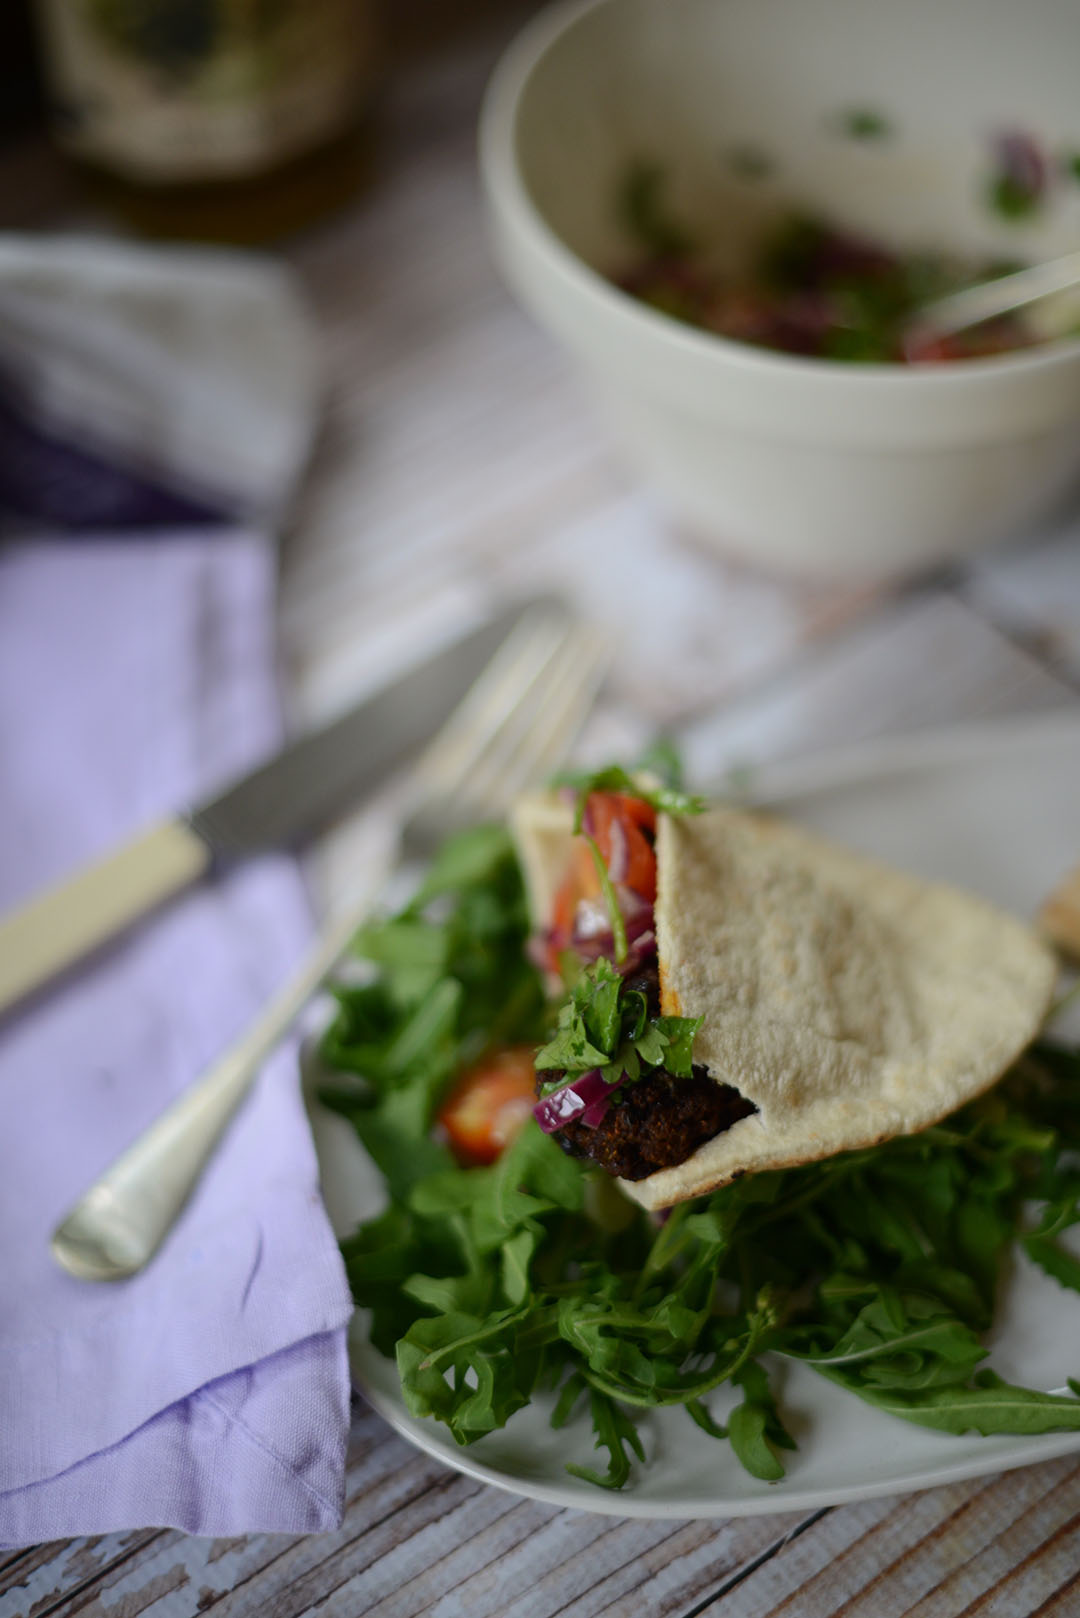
[288,798]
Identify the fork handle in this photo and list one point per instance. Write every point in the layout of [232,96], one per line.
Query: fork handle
[119,1224]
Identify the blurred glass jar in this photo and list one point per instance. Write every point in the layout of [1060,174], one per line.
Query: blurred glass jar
[217,120]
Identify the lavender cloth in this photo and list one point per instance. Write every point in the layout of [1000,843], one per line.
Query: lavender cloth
[211,1392]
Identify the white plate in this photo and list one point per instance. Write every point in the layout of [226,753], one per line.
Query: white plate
[996,810]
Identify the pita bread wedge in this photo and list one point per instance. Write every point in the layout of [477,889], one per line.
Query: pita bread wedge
[849,1002]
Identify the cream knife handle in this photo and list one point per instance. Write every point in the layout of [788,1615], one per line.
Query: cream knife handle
[73,918]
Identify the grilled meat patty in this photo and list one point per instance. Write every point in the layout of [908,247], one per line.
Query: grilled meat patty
[659,1121]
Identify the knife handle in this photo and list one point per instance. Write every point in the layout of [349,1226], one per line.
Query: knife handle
[68,921]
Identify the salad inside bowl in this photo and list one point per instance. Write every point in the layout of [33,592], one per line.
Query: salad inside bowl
[851,115]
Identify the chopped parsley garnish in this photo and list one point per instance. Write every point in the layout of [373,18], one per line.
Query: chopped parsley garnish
[863,123]
[643,211]
[1011,199]
[813,289]
[607,1026]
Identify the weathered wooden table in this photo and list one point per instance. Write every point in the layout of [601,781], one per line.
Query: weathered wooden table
[461,463]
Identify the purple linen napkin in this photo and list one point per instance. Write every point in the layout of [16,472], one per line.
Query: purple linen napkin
[211,1392]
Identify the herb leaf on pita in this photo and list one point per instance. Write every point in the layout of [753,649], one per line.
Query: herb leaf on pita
[604,1025]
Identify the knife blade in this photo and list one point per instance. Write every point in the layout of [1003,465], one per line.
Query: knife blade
[288,798]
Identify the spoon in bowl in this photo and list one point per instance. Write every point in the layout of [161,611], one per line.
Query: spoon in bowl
[946,316]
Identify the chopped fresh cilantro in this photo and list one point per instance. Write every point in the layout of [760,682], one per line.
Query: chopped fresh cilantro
[1011,199]
[863,123]
[607,1026]
[642,210]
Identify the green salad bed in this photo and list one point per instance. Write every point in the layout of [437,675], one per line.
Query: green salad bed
[879,1268]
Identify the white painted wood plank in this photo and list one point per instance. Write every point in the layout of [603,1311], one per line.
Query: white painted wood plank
[932,1555]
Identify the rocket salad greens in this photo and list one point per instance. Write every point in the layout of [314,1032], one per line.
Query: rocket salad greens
[877,1268]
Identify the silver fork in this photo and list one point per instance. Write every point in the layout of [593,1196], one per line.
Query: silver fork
[511,729]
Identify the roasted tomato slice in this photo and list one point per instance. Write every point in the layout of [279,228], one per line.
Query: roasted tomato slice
[624,828]
[489,1104]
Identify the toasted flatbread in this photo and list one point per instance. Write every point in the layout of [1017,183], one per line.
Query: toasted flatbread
[849,1002]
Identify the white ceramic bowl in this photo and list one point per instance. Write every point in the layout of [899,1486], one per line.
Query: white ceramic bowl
[808,465]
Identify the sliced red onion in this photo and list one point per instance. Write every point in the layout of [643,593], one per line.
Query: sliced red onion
[559,1108]
[596,1111]
[640,950]
[636,911]
[619,859]
[577,1099]
[591,919]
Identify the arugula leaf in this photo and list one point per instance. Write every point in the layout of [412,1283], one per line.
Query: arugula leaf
[700,1416]
[1047,1253]
[405,943]
[754,1426]
[395,1137]
[570,1394]
[469,860]
[461,1369]
[988,1406]
[616,1433]
[902,1342]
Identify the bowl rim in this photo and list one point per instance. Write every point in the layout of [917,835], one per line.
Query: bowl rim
[501,174]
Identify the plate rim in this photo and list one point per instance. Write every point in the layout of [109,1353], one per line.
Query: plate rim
[771,784]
